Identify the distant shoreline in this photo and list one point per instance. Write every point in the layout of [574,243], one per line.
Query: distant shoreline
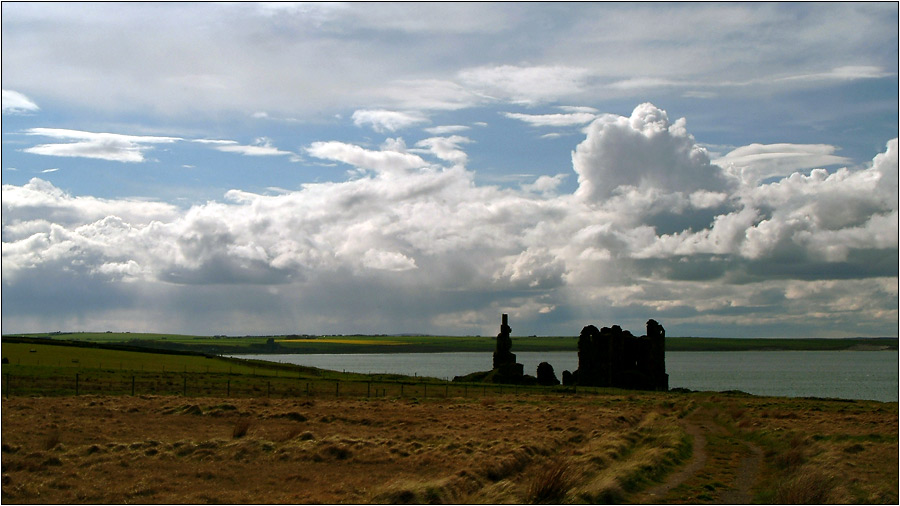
[292,344]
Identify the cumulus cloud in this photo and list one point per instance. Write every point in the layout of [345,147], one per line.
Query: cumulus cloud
[381,120]
[545,184]
[17,103]
[103,146]
[654,229]
[645,151]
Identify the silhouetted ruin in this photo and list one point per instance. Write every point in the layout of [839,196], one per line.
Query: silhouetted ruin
[505,366]
[609,357]
[545,375]
[612,357]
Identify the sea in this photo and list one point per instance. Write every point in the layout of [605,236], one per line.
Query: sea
[869,375]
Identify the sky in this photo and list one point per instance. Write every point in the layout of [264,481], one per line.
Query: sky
[727,169]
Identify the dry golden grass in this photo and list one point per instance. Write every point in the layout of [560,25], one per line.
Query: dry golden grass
[507,449]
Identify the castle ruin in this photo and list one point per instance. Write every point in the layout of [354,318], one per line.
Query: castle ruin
[612,357]
[505,365]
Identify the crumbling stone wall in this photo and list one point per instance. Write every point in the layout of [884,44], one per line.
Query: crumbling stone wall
[612,357]
[545,375]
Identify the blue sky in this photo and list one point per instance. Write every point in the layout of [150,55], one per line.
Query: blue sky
[250,168]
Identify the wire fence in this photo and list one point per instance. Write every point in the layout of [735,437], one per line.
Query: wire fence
[228,385]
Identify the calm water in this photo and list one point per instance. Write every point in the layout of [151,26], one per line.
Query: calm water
[840,374]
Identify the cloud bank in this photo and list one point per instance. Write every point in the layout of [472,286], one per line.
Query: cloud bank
[654,229]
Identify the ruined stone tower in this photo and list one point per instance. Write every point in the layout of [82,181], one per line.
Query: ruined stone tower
[507,370]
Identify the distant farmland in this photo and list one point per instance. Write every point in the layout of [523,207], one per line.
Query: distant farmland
[434,344]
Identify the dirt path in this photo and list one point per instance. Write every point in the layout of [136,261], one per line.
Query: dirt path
[747,474]
[698,460]
[702,427]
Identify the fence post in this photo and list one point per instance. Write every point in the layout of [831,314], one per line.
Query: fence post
[368,389]
[425,395]
[76,383]
[446,391]
[228,388]
[337,388]
[132,385]
[184,388]
[401,390]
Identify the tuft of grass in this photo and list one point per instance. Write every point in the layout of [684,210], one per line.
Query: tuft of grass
[811,487]
[552,483]
[241,427]
[335,452]
[794,456]
[52,440]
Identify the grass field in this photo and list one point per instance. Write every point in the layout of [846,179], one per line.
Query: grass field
[435,344]
[613,447]
[54,370]
[201,429]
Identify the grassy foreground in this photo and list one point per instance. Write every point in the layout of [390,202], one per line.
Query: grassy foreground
[613,447]
[415,446]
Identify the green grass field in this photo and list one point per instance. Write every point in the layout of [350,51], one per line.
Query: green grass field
[67,369]
[435,344]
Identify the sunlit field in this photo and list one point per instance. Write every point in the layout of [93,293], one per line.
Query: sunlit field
[204,429]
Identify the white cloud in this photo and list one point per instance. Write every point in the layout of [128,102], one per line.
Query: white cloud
[447,148]
[545,184]
[430,95]
[428,56]
[756,162]
[553,120]
[382,120]
[387,260]
[527,85]
[379,161]
[103,146]
[17,103]
[844,73]
[261,147]
[578,108]
[642,83]
[645,151]
[402,248]
[446,129]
